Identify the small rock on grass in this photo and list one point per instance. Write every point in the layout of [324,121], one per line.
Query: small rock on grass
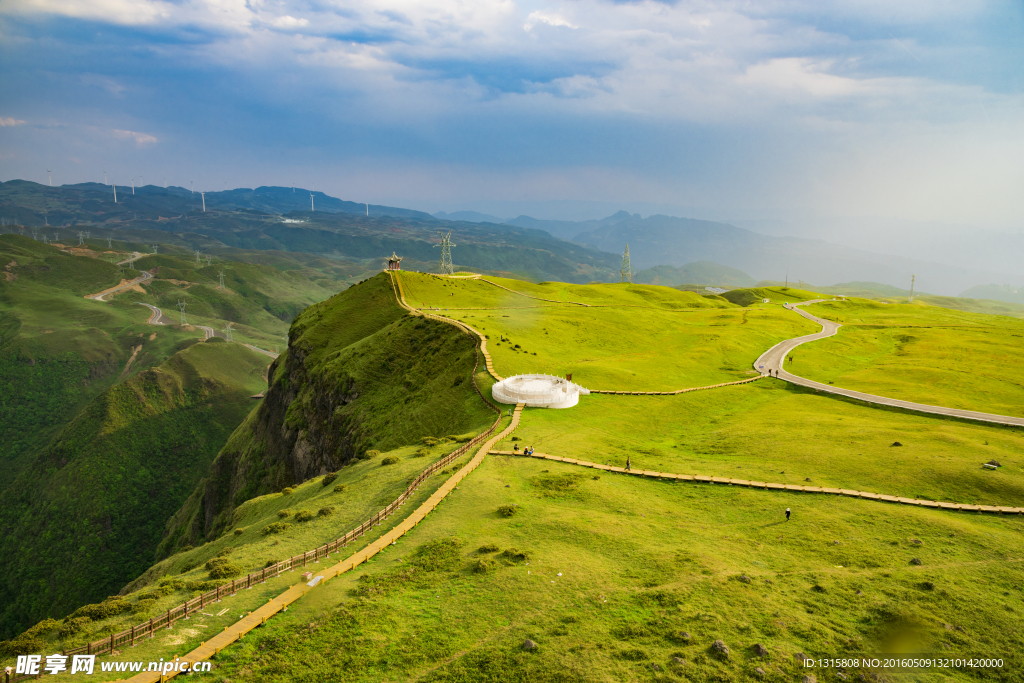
[760,650]
[916,561]
[810,678]
[720,648]
[529,645]
[678,660]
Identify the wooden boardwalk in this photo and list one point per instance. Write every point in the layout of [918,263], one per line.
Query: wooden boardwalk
[777,487]
[260,616]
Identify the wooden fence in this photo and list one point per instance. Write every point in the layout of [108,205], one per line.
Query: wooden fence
[166,620]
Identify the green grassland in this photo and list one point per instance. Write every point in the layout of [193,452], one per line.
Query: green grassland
[921,353]
[771,431]
[632,337]
[616,578]
[606,574]
[87,514]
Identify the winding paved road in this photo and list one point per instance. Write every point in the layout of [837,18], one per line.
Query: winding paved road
[774,358]
[158,317]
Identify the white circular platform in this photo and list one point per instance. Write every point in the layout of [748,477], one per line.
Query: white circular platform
[538,391]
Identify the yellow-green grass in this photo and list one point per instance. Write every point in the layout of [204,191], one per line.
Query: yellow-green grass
[770,431]
[920,353]
[619,566]
[368,487]
[619,347]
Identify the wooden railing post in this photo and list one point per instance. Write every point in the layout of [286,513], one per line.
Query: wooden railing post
[151,627]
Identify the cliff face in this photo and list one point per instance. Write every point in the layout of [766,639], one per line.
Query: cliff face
[359,374]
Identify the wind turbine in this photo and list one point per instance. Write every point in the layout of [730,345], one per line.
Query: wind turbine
[192,186]
[311,206]
[133,185]
[203,195]
[105,178]
[50,177]
[115,193]
[367,209]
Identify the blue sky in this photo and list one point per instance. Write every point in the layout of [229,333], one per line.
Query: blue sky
[910,109]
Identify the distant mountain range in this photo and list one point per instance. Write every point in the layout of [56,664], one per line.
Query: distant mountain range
[661,240]
[297,219]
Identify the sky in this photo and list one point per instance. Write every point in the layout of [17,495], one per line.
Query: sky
[755,110]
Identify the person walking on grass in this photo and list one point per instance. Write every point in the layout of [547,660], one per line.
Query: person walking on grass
[787,514]
[629,465]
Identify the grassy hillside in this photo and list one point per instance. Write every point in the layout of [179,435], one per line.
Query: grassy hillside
[614,578]
[86,516]
[920,353]
[59,350]
[360,374]
[639,337]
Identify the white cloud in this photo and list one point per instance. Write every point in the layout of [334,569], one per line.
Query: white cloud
[130,12]
[4,122]
[289,22]
[800,74]
[546,18]
[140,139]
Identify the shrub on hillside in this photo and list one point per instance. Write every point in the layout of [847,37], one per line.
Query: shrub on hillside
[215,562]
[304,516]
[287,491]
[515,555]
[275,528]
[286,512]
[23,645]
[421,453]
[507,510]
[326,511]
[390,460]
[329,478]
[339,488]
[442,553]
[484,565]
[43,626]
[488,548]
[368,455]
[110,607]
[430,440]
[239,532]
[225,571]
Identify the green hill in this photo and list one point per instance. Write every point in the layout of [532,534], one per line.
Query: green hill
[359,375]
[86,516]
[702,272]
[612,577]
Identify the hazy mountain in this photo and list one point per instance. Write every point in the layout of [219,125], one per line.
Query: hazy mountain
[676,241]
[1008,293]
[468,217]
[568,230]
[699,273]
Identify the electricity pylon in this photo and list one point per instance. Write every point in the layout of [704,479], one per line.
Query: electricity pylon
[446,252]
[221,275]
[626,273]
[227,331]
[181,307]
[156,248]
[197,257]
[109,245]
[912,278]
[81,238]
[209,260]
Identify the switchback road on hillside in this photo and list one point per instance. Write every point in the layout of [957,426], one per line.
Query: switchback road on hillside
[774,358]
[158,317]
[98,296]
